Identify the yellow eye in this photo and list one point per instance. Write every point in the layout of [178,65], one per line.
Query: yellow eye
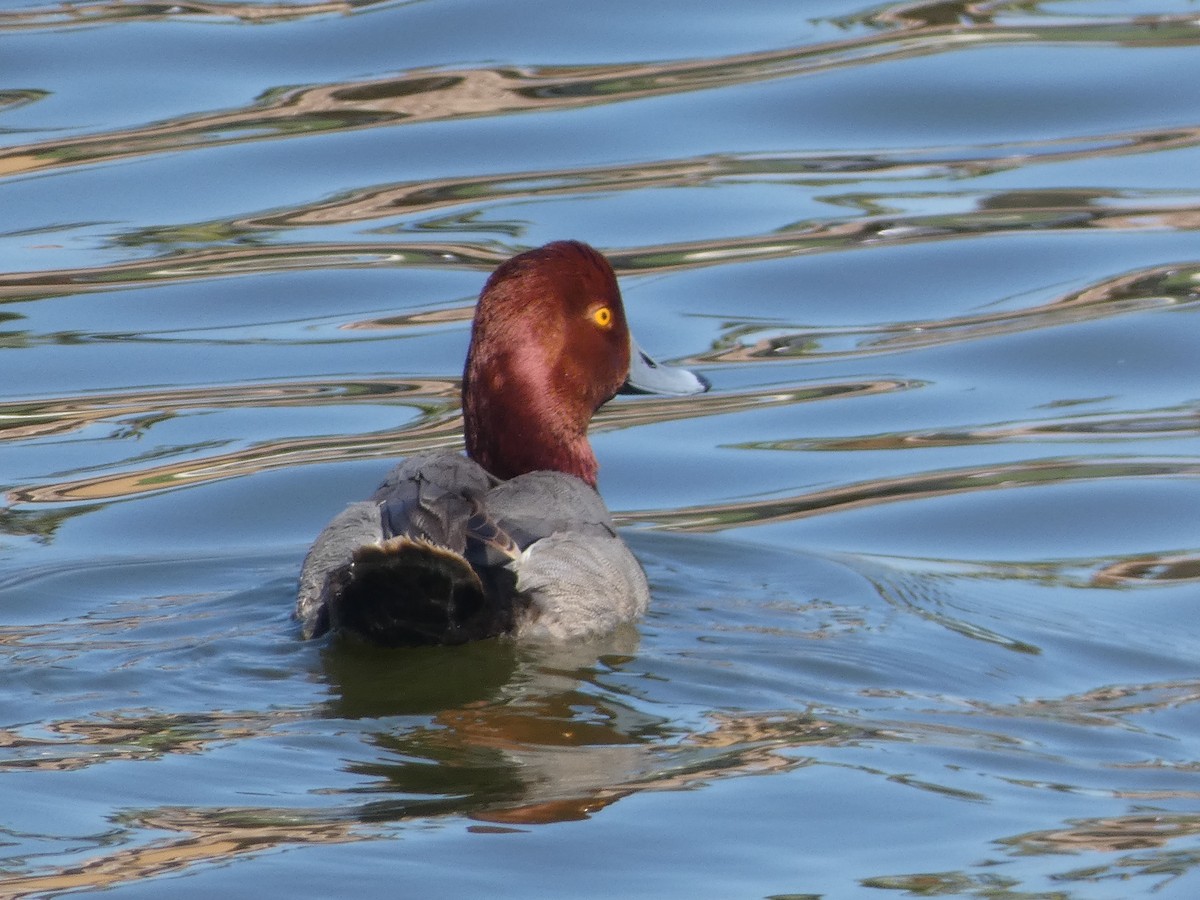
[602,316]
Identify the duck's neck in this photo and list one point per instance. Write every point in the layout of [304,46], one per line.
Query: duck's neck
[513,426]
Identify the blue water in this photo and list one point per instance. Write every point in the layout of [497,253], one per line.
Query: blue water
[925,562]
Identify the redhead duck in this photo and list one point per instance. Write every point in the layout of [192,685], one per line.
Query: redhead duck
[512,538]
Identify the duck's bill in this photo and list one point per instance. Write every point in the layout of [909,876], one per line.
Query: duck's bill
[646,376]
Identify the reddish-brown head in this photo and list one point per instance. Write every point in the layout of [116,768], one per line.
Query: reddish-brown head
[549,345]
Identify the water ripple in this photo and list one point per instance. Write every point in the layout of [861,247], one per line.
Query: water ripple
[803,238]
[89,14]
[441,95]
[932,255]
[1030,473]
[438,427]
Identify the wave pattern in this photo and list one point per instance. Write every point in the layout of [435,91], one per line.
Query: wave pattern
[926,553]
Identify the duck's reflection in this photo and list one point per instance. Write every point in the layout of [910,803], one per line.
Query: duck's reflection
[522,733]
[506,733]
[373,682]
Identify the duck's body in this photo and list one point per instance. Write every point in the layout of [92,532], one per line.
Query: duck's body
[515,539]
[444,553]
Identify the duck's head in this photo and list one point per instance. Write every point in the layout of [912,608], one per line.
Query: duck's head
[549,345]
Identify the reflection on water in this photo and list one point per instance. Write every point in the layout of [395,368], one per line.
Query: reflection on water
[932,484]
[439,427]
[924,561]
[423,96]
[528,745]
[1038,213]
[1160,287]
[87,14]
[510,740]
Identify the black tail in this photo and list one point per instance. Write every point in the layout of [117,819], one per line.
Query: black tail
[407,592]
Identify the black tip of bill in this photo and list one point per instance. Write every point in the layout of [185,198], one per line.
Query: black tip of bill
[647,376]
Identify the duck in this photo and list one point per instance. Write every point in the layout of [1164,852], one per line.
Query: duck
[511,539]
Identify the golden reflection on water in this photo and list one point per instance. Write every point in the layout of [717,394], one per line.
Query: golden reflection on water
[66,746]
[1134,832]
[541,741]
[206,836]
[920,15]
[60,415]
[1149,568]
[719,516]
[1143,841]
[183,265]
[409,198]
[1081,427]
[85,14]
[210,835]
[438,427]
[1159,287]
[438,94]
[542,750]
[229,261]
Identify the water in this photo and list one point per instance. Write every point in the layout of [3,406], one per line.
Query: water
[925,562]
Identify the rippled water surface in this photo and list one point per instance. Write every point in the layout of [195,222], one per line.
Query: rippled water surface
[925,562]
